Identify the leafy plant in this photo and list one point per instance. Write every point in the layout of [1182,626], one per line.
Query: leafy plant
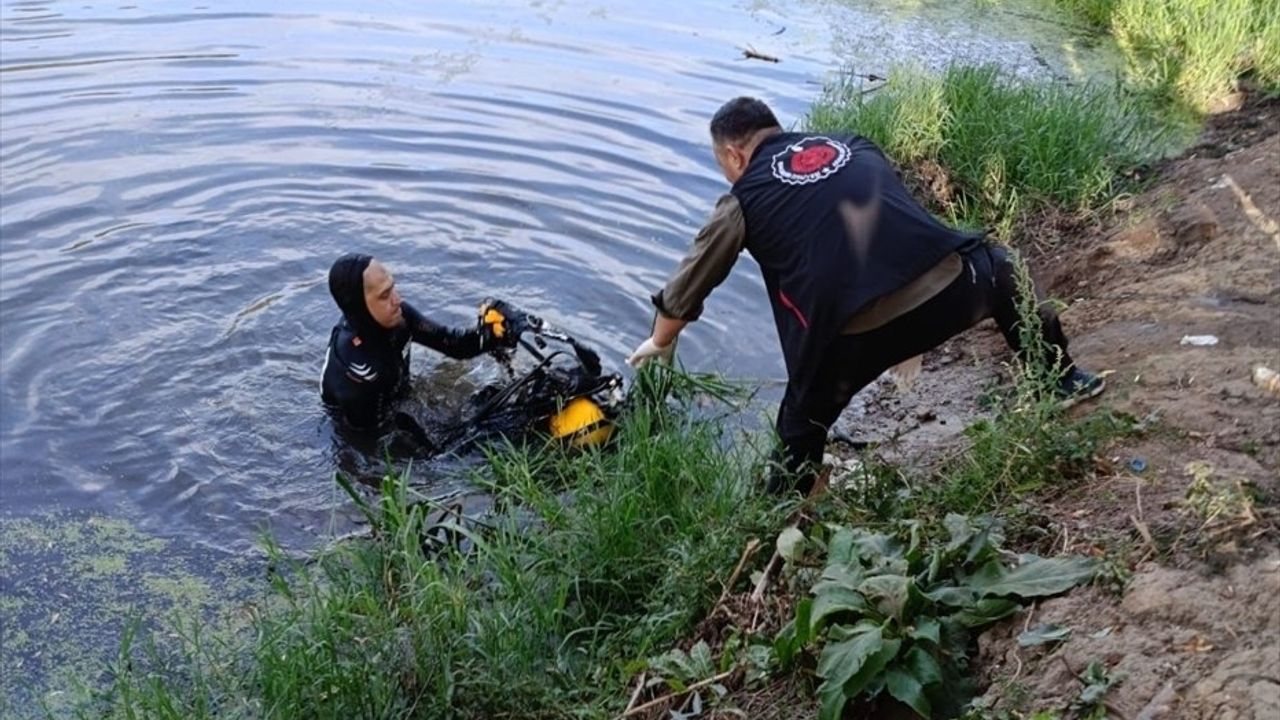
[1091,703]
[893,613]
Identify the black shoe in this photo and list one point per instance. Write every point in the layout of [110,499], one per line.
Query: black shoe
[1077,386]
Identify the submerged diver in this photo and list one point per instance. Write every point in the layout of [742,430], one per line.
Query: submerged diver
[367,365]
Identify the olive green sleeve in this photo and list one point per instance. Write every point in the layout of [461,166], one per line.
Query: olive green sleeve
[714,251]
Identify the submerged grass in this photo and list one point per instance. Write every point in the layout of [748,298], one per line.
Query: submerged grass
[592,561]
[993,150]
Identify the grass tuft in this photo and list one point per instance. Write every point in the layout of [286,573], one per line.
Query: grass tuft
[993,150]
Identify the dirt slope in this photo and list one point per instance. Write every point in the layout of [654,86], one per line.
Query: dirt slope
[1196,631]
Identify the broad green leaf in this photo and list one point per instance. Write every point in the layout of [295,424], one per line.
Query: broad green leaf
[832,699]
[791,544]
[840,661]
[785,646]
[927,629]
[868,676]
[840,549]
[989,574]
[804,622]
[848,576]
[960,530]
[1037,578]
[914,550]
[844,632]
[985,612]
[904,686]
[832,598]
[984,542]
[935,567]
[1043,634]
[922,665]
[700,659]
[953,596]
[876,548]
[888,592]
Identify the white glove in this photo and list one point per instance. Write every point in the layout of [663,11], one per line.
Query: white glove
[648,350]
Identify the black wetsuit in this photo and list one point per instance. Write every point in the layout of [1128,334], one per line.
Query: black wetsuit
[363,376]
[367,365]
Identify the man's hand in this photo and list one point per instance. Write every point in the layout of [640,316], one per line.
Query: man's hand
[648,350]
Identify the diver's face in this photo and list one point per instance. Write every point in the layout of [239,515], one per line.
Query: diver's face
[380,296]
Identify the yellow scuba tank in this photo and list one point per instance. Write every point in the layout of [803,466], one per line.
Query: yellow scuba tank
[581,423]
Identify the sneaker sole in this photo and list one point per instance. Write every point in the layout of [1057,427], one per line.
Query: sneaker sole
[1074,400]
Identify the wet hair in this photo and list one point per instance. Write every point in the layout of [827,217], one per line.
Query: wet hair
[739,119]
[346,285]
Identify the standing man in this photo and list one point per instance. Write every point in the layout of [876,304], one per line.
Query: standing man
[860,276]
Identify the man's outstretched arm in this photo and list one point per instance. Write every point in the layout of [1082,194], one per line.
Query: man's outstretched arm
[714,252]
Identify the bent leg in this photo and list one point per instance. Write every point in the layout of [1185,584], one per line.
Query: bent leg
[1006,296]
[851,362]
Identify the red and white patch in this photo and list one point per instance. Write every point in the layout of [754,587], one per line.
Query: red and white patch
[810,160]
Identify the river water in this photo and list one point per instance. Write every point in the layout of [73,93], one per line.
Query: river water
[176,178]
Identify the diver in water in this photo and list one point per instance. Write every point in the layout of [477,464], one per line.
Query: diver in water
[367,365]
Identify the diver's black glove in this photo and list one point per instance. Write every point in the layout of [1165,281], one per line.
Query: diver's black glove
[498,325]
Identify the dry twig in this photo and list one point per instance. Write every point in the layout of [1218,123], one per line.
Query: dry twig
[750,53]
[667,698]
[752,546]
[635,695]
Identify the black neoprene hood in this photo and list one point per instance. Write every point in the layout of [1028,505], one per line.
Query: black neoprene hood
[346,284]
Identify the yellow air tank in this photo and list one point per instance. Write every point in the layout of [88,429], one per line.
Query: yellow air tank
[582,423]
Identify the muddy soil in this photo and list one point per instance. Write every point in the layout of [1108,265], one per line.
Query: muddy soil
[1186,512]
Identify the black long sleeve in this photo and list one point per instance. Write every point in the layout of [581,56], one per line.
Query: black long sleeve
[456,343]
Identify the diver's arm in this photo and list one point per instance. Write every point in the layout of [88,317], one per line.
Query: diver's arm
[455,343]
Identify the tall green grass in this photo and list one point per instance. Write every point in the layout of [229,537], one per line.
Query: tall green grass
[591,562]
[1191,51]
[1006,149]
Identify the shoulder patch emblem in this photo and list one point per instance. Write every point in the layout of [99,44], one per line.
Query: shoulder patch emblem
[810,160]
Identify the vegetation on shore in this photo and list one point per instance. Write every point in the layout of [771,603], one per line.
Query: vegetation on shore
[992,151]
[590,562]
[1191,52]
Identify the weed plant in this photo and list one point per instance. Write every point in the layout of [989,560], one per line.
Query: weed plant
[1006,149]
[1191,52]
[1031,442]
[591,561]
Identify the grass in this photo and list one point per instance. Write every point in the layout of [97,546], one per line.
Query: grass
[1191,52]
[1004,149]
[591,562]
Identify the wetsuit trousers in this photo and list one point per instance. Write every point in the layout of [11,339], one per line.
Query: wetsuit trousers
[986,288]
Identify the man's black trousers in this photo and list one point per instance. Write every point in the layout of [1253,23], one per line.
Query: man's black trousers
[986,288]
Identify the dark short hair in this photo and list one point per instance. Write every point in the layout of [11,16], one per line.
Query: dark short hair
[739,119]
